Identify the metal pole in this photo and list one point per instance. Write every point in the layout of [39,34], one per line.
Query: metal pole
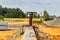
[30,20]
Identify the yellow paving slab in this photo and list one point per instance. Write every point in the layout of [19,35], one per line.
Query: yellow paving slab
[7,34]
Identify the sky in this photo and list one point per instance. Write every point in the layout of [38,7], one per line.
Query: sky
[52,6]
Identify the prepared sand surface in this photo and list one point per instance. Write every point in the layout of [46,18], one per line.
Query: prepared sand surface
[52,32]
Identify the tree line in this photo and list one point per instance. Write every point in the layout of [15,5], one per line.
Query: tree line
[18,13]
[11,12]
[14,13]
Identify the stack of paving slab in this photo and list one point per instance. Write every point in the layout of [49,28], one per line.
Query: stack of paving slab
[3,25]
[53,22]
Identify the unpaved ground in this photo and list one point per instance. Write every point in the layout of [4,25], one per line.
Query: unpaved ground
[52,32]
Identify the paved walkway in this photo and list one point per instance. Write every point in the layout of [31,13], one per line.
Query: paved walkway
[29,34]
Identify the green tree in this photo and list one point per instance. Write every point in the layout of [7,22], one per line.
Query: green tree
[38,16]
[4,11]
[46,15]
[35,15]
[0,10]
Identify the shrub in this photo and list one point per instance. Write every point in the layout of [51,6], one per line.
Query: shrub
[40,21]
[1,18]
